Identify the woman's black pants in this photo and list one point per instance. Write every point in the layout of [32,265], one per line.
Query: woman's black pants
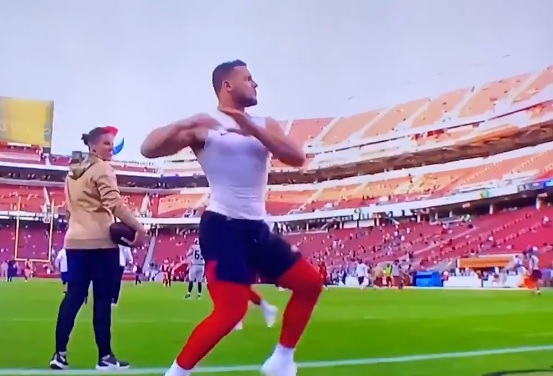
[85,266]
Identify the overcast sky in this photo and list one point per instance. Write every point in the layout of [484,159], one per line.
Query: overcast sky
[137,64]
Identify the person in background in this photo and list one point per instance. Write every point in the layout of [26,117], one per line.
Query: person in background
[28,270]
[324,274]
[397,274]
[125,258]
[60,263]
[4,270]
[12,270]
[137,274]
[93,201]
[361,271]
[535,271]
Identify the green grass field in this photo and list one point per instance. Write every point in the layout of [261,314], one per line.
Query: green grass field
[377,331]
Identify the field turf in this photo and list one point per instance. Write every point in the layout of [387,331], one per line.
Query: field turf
[375,332]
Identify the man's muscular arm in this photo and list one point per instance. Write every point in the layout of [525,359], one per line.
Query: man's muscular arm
[272,136]
[172,138]
[284,148]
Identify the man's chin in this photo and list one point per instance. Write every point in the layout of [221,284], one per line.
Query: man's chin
[250,102]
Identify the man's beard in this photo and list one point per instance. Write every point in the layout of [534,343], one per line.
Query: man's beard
[248,102]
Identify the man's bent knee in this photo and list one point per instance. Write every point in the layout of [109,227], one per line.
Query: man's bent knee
[314,284]
[230,302]
[303,279]
[230,314]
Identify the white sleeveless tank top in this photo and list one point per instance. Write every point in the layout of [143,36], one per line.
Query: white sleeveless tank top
[237,170]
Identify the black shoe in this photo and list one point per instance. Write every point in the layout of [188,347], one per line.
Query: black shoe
[59,362]
[187,296]
[111,363]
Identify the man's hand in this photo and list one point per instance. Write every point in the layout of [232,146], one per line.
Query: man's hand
[196,121]
[247,126]
[201,121]
[231,111]
[271,135]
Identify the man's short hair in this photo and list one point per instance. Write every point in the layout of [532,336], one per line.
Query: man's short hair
[221,72]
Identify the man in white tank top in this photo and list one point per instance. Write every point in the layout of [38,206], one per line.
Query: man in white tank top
[234,151]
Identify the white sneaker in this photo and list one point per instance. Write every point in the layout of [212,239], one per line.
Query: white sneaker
[239,326]
[277,366]
[270,313]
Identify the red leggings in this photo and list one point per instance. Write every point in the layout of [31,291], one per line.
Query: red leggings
[230,303]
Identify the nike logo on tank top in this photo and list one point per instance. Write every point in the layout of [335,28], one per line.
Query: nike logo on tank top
[237,170]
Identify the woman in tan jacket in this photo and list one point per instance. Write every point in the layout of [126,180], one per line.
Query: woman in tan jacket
[93,202]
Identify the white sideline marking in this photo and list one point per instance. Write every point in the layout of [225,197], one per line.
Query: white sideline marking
[252,368]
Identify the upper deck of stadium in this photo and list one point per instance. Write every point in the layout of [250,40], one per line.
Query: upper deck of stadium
[429,147]
[463,141]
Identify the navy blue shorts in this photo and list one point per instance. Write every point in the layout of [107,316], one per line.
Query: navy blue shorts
[64,277]
[243,249]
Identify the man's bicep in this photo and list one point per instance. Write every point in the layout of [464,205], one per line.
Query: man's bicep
[170,139]
[185,138]
[277,129]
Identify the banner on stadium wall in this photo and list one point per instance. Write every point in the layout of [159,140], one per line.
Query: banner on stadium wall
[171,203]
[484,262]
[26,121]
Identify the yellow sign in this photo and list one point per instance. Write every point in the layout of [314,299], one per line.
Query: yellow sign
[26,121]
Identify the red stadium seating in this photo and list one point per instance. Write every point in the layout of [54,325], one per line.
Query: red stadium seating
[504,232]
[512,231]
[26,198]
